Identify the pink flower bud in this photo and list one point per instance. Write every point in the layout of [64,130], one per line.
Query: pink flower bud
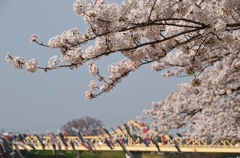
[33,38]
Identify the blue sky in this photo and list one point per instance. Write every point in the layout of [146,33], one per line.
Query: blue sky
[45,101]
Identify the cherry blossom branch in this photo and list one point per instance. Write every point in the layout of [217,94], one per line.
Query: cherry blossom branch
[41,44]
[149,16]
[149,43]
[233,24]
[101,78]
[172,19]
[113,82]
[144,25]
[165,38]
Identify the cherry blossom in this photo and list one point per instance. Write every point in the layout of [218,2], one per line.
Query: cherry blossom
[90,94]
[93,69]
[33,38]
[194,38]
[54,63]
[31,65]
[17,62]
[93,85]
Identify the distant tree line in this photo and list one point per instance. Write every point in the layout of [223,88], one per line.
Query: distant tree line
[83,123]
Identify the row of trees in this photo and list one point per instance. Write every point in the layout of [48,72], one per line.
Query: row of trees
[195,38]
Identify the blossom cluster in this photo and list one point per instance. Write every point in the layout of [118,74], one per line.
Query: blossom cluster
[31,65]
[54,63]
[19,63]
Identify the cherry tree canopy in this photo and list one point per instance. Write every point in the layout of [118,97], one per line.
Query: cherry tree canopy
[196,38]
[83,123]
